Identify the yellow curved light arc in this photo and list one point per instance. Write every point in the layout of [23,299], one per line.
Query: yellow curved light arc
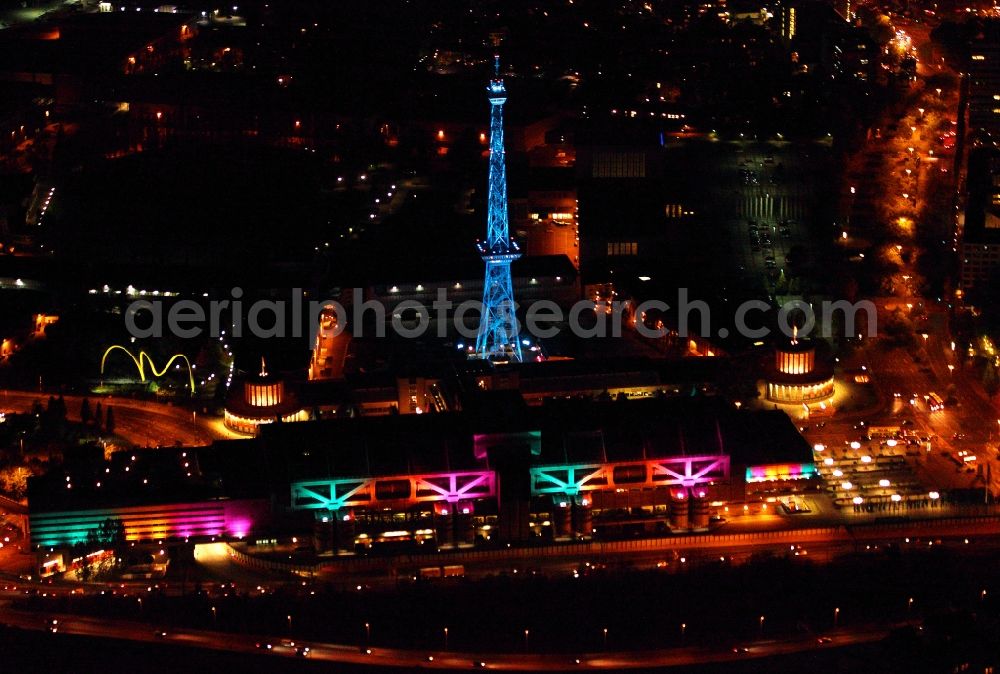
[140,363]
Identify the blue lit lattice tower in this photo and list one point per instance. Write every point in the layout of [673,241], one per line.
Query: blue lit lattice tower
[497,338]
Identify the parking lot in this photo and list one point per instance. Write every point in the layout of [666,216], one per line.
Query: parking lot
[770,199]
[876,474]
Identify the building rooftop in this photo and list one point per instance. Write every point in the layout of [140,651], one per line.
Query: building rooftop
[572,431]
[94,44]
[982,217]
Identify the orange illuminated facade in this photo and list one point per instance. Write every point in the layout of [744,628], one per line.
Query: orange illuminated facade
[795,362]
[265,394]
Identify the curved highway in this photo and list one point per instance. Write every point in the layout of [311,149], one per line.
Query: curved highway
[437,659]
[141,422]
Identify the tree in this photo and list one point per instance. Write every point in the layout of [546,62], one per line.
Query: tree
[898,330]
[781,285]
[86,571]
[85,411]
[111,535]
[14,481]
[109,421]
[991,382]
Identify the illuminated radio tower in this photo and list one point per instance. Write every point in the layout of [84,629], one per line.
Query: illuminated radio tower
[497,338]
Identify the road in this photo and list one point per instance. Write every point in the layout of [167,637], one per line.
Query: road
[732,547]
[437,659]
[142,423]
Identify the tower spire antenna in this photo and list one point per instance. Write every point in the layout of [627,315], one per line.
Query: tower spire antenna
[498,330]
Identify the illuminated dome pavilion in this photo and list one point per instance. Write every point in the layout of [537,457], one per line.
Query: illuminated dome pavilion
[796,377]
[263,399]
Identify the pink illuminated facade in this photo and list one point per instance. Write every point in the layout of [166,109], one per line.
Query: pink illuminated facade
[332,495]
[201,521]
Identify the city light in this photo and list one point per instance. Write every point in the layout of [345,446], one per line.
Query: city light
[388,434]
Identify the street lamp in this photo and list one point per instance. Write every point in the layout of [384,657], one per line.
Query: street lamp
[526,632]
[215,616]
[909,604]
[289,617]
[605,638]
[368,632]
[683,630]
[951,369]
[836,616]
[446,638]
[762,624]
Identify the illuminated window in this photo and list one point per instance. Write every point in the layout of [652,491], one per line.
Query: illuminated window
[623,248]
